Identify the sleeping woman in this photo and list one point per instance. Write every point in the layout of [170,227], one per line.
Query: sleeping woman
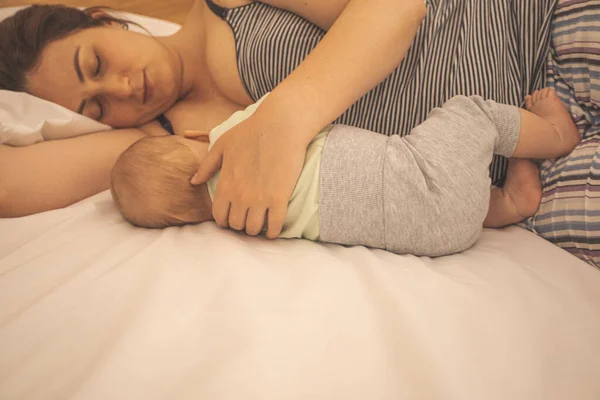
[378,65]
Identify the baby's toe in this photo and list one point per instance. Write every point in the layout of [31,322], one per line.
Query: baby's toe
[547,93]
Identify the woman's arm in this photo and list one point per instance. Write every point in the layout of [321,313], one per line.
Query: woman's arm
[363,46]
[55,174]
[264,154]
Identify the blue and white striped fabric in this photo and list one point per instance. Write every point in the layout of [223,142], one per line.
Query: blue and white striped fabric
[570,211]
[492,48]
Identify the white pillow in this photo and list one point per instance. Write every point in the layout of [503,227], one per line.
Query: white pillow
[25,119]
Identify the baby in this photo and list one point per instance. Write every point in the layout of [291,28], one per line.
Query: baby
[427,193]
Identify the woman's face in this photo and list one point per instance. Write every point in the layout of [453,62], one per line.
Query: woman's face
[120,78]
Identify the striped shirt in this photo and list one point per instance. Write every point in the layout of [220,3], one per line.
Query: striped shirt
[492,48]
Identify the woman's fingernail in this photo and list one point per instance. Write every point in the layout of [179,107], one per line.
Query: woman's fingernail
[194,180]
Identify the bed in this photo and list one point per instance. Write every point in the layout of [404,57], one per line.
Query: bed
[92,308]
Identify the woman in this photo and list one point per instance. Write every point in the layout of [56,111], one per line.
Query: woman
[319,59]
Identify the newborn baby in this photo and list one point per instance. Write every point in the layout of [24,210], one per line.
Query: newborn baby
[425,194]
[150,183]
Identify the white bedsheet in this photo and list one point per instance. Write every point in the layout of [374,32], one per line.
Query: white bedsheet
[92,308]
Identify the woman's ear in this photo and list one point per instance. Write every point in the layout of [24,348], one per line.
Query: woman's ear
[100,14]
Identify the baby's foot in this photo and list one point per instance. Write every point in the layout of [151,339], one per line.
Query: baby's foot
[546,104]
[523,186]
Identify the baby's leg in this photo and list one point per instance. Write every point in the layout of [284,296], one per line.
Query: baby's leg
[519,198]
[547,130]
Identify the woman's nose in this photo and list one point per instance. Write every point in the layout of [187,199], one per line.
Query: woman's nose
[116,86]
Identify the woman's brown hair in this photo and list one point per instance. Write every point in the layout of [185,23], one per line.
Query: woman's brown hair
[24,35]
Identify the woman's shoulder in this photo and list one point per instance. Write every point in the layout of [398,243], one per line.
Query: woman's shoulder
[319,12]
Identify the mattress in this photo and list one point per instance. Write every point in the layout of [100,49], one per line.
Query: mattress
[93,308]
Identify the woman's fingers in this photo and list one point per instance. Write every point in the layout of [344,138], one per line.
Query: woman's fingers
[255,220]
[276,217]
[220,210]
[210,165]
[237,216]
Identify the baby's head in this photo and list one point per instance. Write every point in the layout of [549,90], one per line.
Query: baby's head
[150,183]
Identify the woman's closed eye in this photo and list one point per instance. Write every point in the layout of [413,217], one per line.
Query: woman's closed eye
[100,110]
[94,109]
[99,65]
[98,102]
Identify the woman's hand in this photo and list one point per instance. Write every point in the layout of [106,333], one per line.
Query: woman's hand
[260,164]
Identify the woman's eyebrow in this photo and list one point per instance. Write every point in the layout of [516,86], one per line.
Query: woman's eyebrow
[79,75]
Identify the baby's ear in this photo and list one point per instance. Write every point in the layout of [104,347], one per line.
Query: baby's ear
[201,136]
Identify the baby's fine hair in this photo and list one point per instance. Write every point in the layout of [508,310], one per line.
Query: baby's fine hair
[150,184]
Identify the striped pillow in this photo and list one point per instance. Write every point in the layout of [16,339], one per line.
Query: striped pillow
[569,214]
[574,61]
